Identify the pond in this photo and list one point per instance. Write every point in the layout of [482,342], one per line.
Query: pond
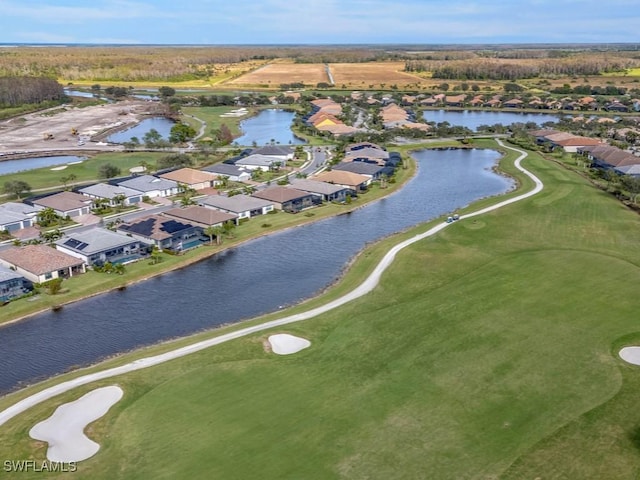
[472,119]
[161,124]
[243,282]
[13,166]
[269,126]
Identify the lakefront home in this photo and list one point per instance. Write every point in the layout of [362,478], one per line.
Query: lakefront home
[164,232]
[350,180]
[202,216]
[288,199]
[40,263]
[244,206]
[12,284]
[325,191]
[98,246]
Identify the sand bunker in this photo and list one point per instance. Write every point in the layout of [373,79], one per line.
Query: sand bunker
[58,168]
[285,344]
[630,355]
[64,430]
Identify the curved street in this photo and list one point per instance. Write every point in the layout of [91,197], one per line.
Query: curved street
[365,287]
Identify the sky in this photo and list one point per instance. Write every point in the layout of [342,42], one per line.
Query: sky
[252,22]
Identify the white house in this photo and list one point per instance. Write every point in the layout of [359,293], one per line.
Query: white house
[151,186]
[243,206]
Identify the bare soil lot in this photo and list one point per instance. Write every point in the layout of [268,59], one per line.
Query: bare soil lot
[274,74]
[52,129]
[361,75]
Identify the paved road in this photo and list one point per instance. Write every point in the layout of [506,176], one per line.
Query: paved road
[365,287]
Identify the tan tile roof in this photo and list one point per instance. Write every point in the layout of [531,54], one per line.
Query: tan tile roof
[341,177]
[39,259]
[64,201]
[189,176]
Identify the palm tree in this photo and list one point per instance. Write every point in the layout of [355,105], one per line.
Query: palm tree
[155,255]
[119,199]
[210,232]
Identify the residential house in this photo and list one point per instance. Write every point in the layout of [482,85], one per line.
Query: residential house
[280,152]
[363,168]
[192,178]
[66,204]
[513,103]
[244,206]
[202,216]
[41,263]
[455,100]
[164,232]
[16,216]
[112,194]
[288,199]
[493,102]
[616,106]
[325,191]
[98,246]
[232,172]
[569,142]
[258,162]
[12,284]
[476,101]
[152,187]
[352,181]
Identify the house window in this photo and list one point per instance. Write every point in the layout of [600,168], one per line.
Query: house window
[48,276]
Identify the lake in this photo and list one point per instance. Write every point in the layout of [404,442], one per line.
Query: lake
[269,125]
[472,119]
[161,124]
[243,282]
[13,166]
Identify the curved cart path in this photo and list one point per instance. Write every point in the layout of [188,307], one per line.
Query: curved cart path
[365,287]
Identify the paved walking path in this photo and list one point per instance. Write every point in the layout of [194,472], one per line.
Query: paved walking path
[365,287]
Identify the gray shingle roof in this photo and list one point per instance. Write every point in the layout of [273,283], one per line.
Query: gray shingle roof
[235,204]
[8,274]
[225,169]
[94,241]
[104,190]
[315,186]
[148,183]
[362,168]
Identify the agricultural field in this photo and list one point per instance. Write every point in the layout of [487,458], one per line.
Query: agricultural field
[476,357]
[362,75]
[275,74]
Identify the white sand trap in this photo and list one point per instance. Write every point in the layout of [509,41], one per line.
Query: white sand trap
[64,430]
[630,355]
[59,168]
[285,344]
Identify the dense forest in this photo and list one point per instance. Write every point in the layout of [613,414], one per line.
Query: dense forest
[15,91]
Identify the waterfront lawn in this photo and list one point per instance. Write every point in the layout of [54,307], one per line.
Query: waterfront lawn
[211,116]
[85,172]
[487,351]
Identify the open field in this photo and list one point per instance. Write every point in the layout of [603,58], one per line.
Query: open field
[274,74]
[487,352]
[361,75]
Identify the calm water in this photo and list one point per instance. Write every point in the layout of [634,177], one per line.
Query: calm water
[270,124]
[12,166]
[161,124]
[243,282]
[474,118]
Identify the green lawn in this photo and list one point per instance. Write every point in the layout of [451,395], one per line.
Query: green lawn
[488,351]
[211,115]
[84,172]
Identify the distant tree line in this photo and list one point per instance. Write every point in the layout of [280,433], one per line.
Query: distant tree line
[15,91]
[494,69]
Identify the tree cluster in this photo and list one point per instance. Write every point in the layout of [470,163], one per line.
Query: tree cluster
[497,69]
[15,91]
